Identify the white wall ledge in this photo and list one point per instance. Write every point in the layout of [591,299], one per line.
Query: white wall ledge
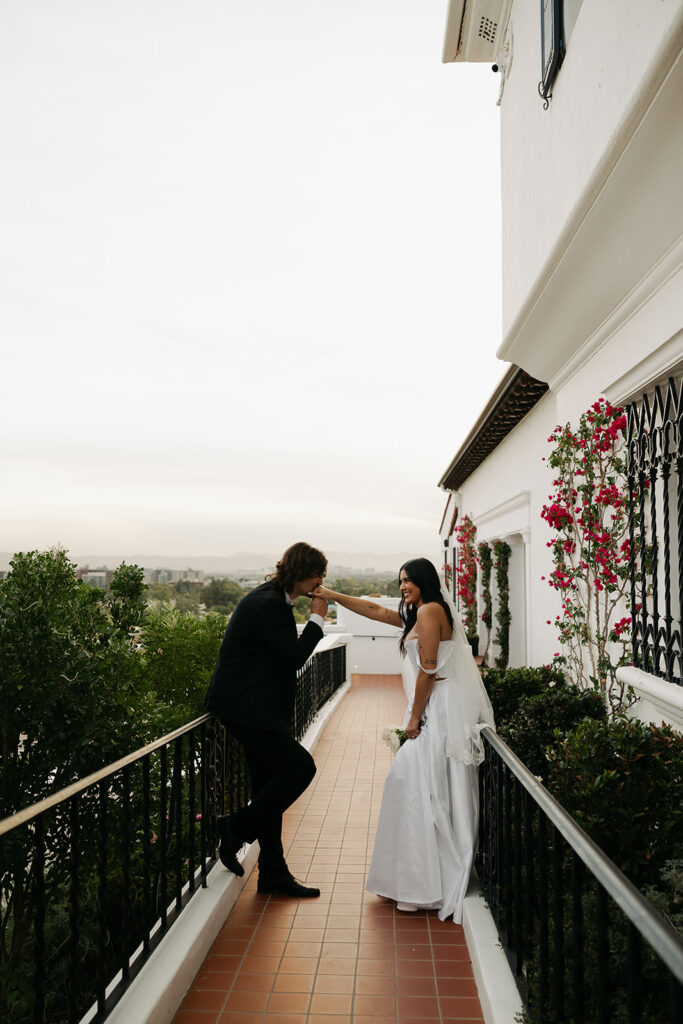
[659,700]
[332,638]
[498,995]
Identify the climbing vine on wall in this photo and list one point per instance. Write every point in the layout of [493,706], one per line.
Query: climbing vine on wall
[592,547]
[485,562]
[466,576]
[501,555]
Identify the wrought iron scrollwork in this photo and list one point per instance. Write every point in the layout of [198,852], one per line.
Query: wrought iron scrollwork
[214,776]
[655,476]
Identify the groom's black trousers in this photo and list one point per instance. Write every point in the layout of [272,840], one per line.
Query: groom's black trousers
[280,770]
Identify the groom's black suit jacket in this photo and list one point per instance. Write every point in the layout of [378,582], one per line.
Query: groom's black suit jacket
[254,681]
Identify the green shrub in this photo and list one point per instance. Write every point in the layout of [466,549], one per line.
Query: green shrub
[507,686]
[179,652]
[623,782]
[667,894]
[542,719]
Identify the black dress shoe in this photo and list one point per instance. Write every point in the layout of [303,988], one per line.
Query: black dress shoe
[230,845]
[287,886]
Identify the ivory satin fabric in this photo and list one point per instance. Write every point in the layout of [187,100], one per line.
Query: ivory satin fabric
[428,824]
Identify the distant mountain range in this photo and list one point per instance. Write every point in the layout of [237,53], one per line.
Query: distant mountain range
[241,561]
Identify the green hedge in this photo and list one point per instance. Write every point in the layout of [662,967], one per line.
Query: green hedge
[507,686]
[545,719]
[622,781]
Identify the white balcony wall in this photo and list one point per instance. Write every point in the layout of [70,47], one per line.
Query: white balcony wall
[373,646]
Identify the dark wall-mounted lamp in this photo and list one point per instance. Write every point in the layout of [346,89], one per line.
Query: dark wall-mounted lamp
[552,46]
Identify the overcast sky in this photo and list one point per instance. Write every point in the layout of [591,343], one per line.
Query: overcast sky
[249,272]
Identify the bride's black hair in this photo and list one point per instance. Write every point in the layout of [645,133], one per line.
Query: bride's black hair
[422,573]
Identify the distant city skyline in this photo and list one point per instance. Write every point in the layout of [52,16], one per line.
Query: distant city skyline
[249,273]
[338,562]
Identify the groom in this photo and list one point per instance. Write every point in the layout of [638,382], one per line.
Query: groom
[252,691]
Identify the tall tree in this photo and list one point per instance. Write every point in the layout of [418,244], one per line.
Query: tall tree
[179,651]
[72,699]
[222,595]
[127,596]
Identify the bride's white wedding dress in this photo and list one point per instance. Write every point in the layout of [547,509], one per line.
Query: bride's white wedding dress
[428,824]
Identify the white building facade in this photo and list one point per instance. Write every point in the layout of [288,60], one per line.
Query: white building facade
[592,239]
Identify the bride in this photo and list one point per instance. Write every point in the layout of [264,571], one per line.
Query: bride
[427,830]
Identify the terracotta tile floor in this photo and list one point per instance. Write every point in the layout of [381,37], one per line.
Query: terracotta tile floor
[348,957]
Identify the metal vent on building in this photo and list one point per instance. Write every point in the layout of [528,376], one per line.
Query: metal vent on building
[487,29]
[474,28]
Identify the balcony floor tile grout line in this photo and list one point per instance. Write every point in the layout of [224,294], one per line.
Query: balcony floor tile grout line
[436,981]
[327,915]
[341,763]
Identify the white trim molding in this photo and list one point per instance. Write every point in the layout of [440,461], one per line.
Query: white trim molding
[659,702]
[665,272]
[666,361]
[520,500]
[510,516]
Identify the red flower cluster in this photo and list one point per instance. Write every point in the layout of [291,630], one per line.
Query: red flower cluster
[557,516]
[466,576]
[561,580]
[588,513]
[610,495]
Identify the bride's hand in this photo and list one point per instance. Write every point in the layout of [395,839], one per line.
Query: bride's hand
[321,592]
[413,728]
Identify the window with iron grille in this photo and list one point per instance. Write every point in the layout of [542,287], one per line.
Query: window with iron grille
[655,474]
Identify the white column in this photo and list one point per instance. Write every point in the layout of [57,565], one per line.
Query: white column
[526,537]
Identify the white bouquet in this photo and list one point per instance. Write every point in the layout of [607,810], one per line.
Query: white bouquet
[394,737]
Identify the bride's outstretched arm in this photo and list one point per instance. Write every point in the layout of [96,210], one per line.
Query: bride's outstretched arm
[360,606]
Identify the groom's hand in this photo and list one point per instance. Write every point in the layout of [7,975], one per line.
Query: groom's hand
[318,606]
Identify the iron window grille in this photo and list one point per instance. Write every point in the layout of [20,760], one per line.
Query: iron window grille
[654,440]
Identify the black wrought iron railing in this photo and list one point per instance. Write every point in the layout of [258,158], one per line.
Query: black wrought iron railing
[92,878]
[583,942]
[654,440]
[317,681]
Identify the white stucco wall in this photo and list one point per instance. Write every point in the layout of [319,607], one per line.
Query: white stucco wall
[504,497]
[550,157]
[592,259]
[373,647]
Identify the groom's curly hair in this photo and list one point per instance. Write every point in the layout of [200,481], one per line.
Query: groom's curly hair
[299,562]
